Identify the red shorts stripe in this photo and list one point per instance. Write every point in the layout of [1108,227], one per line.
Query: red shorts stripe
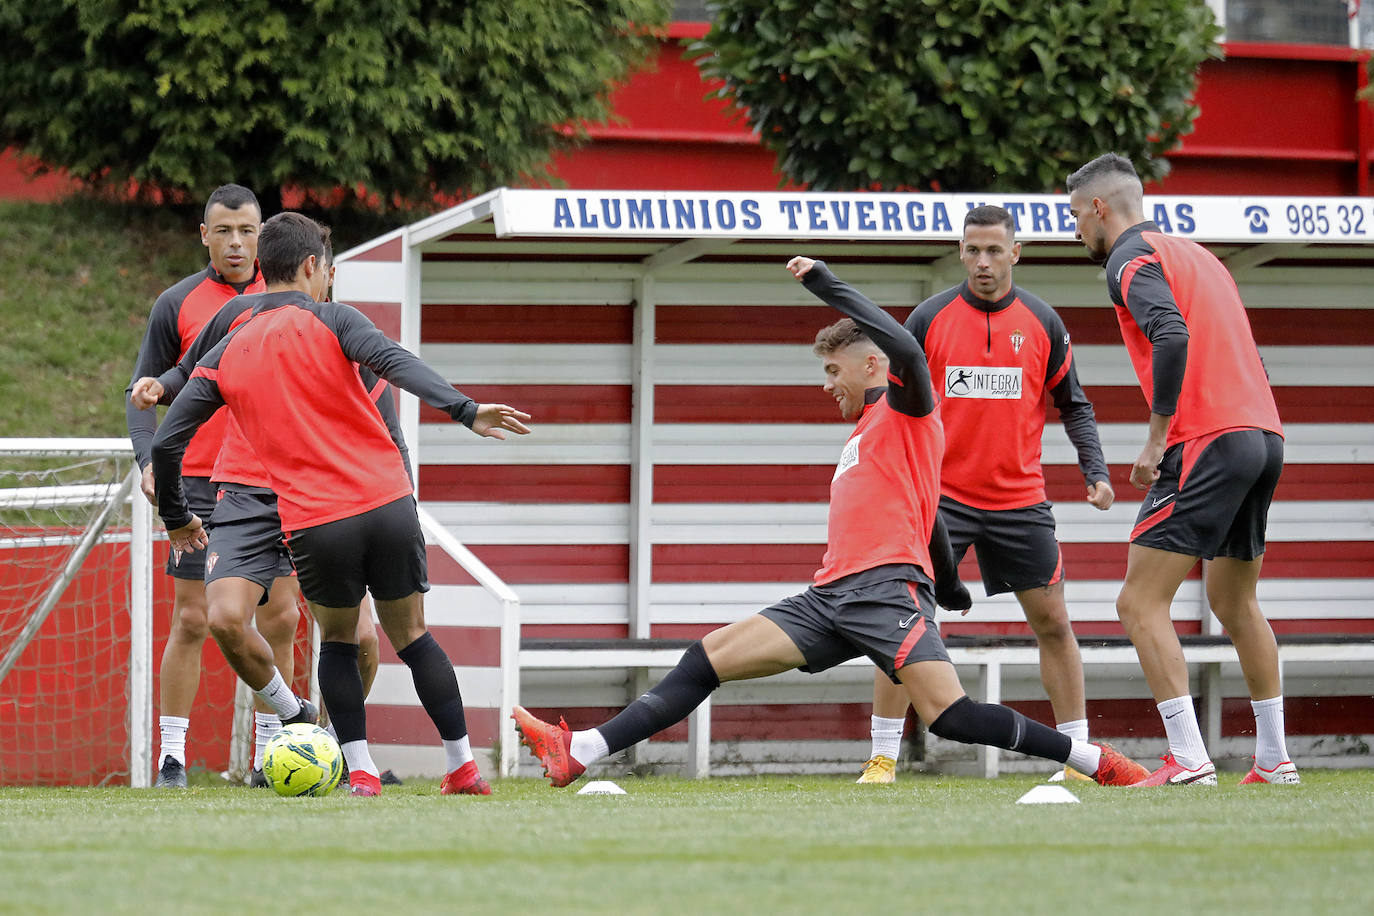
[1058,570]
[918,629]
[1150,521]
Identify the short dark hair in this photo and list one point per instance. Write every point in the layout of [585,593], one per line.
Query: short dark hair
[838,336]
[988,215]
[232,196]
[288,239]
[1106,164]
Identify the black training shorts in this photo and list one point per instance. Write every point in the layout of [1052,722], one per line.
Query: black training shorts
[382,550]
[1016,548]
[200,496]
[892,621]
[1212,496]
[246,540]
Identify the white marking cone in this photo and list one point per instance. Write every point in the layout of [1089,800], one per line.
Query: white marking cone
[1048,795]
[606,787]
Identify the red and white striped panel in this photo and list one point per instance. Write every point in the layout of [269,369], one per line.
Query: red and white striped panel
[745,443]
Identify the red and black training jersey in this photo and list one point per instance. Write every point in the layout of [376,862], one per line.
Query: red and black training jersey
[993,363]
[288,375]
[885,492]
[238,464]
[1188,335]
[177,317]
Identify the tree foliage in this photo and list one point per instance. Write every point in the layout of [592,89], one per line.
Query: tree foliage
[404,98]
[960,95]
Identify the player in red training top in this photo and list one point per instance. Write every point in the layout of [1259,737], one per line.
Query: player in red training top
[230,232]
[344,494]
[874,593]
[1210,463]
[995,352]
[248,559]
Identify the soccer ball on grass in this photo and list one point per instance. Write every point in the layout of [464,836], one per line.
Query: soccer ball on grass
[302,760]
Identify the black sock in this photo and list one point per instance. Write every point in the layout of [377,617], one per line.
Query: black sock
[1000,726]
[670,701]
[341,688]
[436,685]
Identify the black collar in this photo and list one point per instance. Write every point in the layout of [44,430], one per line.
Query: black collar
[268,301]
[1132,233]
[236,287]
[983,305]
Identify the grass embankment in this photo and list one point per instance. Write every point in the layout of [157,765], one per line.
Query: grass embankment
[77,280]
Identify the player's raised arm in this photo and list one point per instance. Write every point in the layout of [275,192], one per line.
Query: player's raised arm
[363,343]
[911,392]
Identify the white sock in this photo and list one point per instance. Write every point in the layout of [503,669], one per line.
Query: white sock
[279,696]
[587,747]
[1270,747]
[265,725]
[457,753]
[1185,738]
[1084,757]
[358,759]
[173,741]
[1077,730]
[887,736]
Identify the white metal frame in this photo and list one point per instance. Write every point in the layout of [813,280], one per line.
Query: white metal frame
[140,588]
[510,626]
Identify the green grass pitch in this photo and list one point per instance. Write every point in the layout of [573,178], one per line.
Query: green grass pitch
[932,844]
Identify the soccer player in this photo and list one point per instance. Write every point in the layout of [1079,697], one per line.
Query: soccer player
[250,559]
[873,594]
[230,232]
[345,498]
[995,351]
[1211,460]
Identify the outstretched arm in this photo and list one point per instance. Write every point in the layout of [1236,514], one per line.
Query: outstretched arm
[363,343]
[909,389]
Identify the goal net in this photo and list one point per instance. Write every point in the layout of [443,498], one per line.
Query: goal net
[66,627]
[85,610]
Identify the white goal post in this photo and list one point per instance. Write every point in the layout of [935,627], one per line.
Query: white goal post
[72,511]
[107,501]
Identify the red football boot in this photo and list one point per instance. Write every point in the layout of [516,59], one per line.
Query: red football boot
[465,781]
[550,744]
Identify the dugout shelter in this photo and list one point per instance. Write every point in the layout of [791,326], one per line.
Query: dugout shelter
[678,472]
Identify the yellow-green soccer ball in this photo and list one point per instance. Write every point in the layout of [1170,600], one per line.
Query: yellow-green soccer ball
[302,760]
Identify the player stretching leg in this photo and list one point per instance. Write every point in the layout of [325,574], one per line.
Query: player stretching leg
[347,509]
[995,352]
[1210,463]
[873,594]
